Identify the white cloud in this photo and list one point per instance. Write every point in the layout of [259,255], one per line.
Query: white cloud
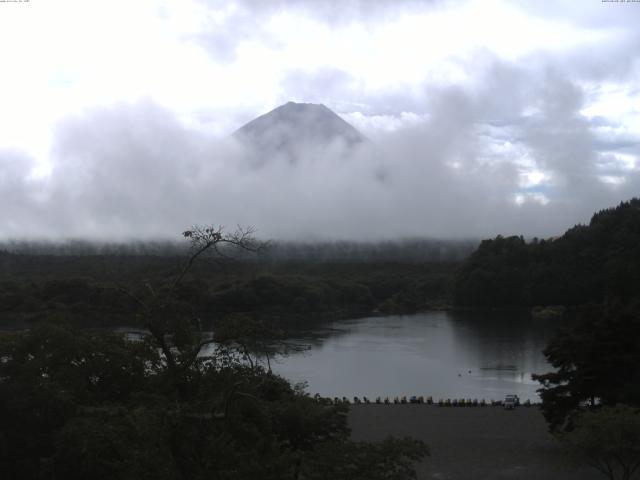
[484,104]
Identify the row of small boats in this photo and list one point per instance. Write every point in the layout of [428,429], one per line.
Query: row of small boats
[455,402]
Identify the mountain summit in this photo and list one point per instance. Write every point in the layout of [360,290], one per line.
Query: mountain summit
[293,129]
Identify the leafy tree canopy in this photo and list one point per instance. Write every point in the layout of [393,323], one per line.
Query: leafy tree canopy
[78,404]
[597,363]
[608,440]
[585,265]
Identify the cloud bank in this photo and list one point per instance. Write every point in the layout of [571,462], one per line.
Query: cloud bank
[133,170]
[485,118]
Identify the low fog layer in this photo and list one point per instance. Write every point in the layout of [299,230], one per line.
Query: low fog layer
[134,171]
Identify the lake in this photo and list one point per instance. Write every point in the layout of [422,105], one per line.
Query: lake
[442,354]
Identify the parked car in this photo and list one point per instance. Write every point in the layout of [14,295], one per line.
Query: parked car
[511,402]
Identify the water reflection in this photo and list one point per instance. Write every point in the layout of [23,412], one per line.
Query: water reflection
[441,354]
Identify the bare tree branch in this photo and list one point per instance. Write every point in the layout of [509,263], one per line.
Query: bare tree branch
[202,239]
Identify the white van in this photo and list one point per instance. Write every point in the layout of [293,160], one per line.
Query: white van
[511,402]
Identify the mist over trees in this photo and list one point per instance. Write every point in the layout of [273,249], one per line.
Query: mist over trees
[402,250]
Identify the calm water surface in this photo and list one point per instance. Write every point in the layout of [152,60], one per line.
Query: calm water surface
[442,354]
[446,355]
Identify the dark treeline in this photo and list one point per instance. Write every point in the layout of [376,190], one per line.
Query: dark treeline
[585,265]
[594,391]
[85,281]
[91,289]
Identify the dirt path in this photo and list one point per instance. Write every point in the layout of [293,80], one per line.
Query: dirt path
[472,442]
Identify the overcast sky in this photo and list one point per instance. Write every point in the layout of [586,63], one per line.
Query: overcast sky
[485,117]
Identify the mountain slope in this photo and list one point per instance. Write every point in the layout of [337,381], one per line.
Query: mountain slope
[293,129]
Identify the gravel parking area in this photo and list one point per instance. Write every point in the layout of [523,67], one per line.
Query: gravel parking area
[472,442]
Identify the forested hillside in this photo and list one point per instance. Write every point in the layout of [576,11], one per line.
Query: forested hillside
[94,290]
[585,265]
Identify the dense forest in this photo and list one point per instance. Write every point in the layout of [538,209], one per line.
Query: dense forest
[87,284]
[79,403]
[584,266]
[91,290]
